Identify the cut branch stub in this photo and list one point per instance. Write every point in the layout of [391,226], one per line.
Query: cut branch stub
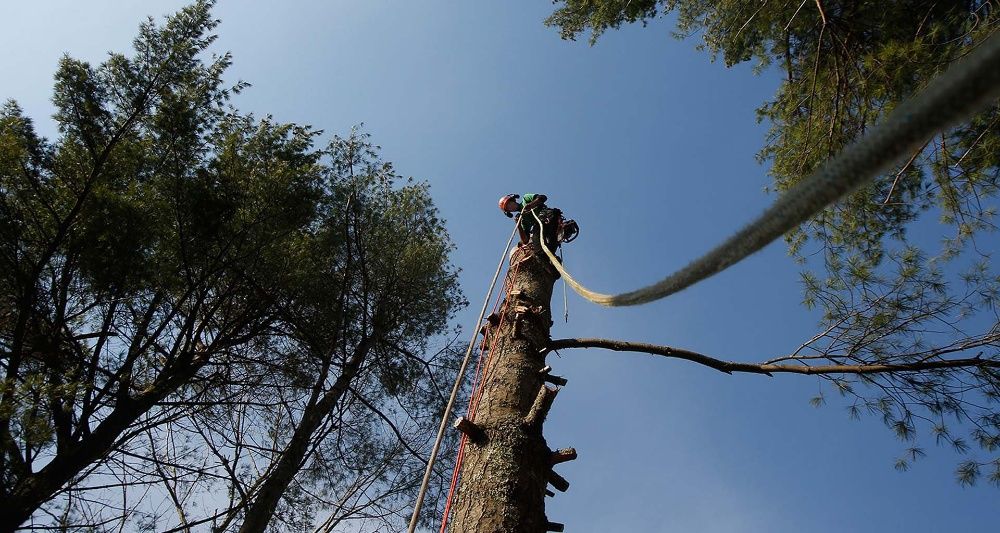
[555,380]
[558,482]
[518,331]
[522,254]
[492,321]
[520,296]
[533,310]
[541,405]
[470,429]
[562,455]
[554,526]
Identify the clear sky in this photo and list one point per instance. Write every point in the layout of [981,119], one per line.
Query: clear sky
[650,147]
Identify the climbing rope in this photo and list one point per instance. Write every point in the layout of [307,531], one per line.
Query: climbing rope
[949,99]
[454,390]
[965,88]
[480,380]
[562,257]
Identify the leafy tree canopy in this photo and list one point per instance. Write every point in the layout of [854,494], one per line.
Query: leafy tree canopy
[173,270]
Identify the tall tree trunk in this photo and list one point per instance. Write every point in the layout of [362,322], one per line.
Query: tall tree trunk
[505,470]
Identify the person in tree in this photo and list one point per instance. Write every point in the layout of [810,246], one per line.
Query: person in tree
[554,228]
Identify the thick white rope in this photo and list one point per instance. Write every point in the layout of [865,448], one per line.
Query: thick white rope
[458,385]
[964,89]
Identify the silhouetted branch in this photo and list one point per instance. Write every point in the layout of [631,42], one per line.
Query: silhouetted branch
[768,369]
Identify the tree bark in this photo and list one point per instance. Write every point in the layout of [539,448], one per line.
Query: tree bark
[504,475]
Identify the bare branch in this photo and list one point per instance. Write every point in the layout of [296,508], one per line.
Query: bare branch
[729,367]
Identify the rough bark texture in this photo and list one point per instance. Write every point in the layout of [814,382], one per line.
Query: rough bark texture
[503,477]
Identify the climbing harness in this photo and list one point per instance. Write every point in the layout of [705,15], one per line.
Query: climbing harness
[454,390]
[965,88]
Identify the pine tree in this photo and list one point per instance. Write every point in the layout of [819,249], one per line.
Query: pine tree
[195,301]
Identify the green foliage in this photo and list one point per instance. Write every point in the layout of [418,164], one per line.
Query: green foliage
[599,15]
[174,271]
[889,294]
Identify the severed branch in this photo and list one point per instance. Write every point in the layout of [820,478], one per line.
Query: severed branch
[766,368]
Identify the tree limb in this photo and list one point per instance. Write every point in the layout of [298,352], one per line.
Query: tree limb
[763,368]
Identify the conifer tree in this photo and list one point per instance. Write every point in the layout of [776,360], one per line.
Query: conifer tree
[200,305]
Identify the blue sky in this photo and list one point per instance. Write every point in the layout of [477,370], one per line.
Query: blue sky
[650,147]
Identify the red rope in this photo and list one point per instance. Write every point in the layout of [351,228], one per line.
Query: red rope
[478,385]
[478,395]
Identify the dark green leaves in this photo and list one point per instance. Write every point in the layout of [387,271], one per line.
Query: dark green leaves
[599,15]
[173,269]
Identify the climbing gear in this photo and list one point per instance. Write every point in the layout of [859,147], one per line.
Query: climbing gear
[568,230]
[508,204]
[972,84]
[549,222]
[481,377]
[454,391]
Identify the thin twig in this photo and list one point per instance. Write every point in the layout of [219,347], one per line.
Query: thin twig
[822,14]
[794,14]
[899,174]
[747,23]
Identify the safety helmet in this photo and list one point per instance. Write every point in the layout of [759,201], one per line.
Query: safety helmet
[508,204]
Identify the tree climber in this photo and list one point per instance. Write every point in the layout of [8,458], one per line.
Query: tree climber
[555,228]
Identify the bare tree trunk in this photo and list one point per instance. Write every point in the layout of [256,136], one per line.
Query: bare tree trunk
[505,470]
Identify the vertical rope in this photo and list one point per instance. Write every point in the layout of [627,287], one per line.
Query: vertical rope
[562,255]
[454,390]
[479,385]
